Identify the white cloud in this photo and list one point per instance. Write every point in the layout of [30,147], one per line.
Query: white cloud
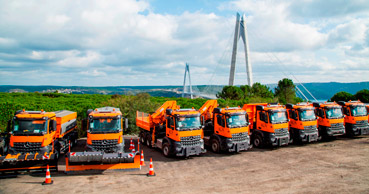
[124,42]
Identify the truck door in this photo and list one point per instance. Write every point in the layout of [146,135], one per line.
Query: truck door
[220,124]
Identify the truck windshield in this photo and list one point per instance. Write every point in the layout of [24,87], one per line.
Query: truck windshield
[358,111]
[236,121]
[187,123]
[334,113]
[29,126]
[307,115]
[102,125]
[278,117]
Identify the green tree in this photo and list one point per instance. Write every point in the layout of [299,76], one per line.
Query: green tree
[231,93]
[342,96]
[285,91]
[260,90]
[362,95]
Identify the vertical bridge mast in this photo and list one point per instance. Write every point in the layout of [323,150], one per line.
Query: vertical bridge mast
[187,69]
[240,31]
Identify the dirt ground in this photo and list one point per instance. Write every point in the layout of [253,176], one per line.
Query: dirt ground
[339,166]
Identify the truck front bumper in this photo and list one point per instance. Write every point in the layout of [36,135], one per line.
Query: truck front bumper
[336,129]
[279,140]
[186,151]
[237,146]
[308,137]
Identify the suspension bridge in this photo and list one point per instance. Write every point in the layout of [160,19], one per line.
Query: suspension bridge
[210,90]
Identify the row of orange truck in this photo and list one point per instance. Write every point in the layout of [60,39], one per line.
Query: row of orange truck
[38,138]
[186,132]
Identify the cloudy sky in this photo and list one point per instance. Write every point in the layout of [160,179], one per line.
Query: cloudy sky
[148,42]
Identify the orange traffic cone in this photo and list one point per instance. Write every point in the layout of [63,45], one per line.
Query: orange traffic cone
[48,180]
[151,172]
[131,146]
[142,162]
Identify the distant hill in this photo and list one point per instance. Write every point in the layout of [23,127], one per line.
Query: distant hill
[321,91]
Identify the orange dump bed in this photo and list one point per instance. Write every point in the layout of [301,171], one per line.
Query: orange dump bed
[143,120]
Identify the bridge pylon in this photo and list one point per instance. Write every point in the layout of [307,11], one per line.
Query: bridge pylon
[187,69]
[240,32]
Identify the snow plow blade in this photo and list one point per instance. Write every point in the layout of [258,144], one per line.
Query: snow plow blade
[27,162]
[81,161]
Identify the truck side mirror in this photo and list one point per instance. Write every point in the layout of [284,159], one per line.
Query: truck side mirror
[247,119]
[202,120]
[52,125]
[320,113]
[84,124]
[294,115]
[126,123]
[8,127]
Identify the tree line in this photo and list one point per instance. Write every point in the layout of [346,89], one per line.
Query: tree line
[284,93]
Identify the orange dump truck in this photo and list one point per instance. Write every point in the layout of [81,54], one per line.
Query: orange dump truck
[303,123]
[330,119]
[105,144]
[356,118]
[177,132]
[268,124]
[226,129]
[37,138]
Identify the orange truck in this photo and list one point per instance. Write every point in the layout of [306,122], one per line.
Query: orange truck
[356,118]
[177,132]
[105,144]
[37,138]
[226,129]
[268,124]
[303,123]
[330,119]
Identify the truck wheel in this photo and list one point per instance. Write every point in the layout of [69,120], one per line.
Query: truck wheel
[215,145]
[142,139]
[148,140]
[257,141]
[166,149]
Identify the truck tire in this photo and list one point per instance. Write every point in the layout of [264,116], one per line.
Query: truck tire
[257,141]
[142,139]
[215,145]
[148,140]
[166,149]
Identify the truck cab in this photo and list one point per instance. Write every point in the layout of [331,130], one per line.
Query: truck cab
[32,132]
[330,119]
[356,118]
[303,123]
[105,130]
[226,129]
[268,124]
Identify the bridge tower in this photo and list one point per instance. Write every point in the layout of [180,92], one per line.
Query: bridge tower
[240,32]
[187,69]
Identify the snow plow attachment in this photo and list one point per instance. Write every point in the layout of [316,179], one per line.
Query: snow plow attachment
[81,161]
[27,162]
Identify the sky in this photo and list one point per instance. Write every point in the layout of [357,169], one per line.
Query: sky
[148,42]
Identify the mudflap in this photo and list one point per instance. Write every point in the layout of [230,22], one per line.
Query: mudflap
[28,162]
[84,161]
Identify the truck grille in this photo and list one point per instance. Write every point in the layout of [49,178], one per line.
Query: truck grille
[310,129]
[191,140]
[239,137]
[337,126]
[104,144]
[27,147]
[281,132]
[361,124]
